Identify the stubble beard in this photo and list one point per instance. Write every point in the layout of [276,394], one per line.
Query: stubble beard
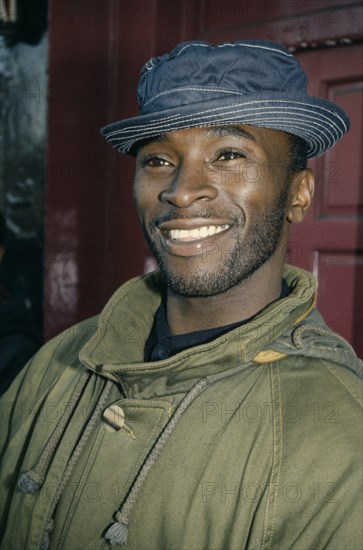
[236,264]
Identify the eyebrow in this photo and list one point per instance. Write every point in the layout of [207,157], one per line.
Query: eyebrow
[223,131]
[160,138]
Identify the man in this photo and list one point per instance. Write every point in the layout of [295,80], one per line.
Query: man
[228,417]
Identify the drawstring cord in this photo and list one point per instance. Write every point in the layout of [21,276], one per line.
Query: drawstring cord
[354,365]
[30,482]
[72,462]
[298,332]
[116,535]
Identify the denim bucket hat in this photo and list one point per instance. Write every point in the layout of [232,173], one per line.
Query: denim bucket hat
[250,82]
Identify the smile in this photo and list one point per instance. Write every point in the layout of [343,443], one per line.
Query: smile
[190,237]
[196,234]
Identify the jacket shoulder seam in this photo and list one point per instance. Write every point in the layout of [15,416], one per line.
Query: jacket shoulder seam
[340,380]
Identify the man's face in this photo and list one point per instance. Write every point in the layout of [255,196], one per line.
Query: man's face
[212,204]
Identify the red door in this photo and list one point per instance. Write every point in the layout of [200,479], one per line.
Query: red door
[330,241]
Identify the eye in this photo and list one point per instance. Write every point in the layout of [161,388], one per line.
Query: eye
[230,154]
[154,162]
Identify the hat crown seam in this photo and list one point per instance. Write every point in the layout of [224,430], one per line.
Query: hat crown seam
[197,89]
[234,45]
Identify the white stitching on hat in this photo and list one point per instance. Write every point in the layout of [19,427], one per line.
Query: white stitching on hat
[300,119]
[304,132]
[292,127]
[315,141]
[190,45]
[244,104]
[223,111]
[292,123]
[295,123]
[194,89]
[230,44]
[288,54]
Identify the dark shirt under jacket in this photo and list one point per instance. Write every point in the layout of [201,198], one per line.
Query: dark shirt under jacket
[161,344]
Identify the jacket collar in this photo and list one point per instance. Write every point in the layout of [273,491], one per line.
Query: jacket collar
[116,349]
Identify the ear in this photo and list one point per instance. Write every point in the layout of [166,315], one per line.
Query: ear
[302,191]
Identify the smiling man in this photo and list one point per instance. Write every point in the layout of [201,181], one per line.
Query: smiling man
[230,415]
[215,205]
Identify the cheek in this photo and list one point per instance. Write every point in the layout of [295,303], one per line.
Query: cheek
[249,182]
[263,173]
[247,198]
[141,193]
[140,201]
[264,185]
[145,201]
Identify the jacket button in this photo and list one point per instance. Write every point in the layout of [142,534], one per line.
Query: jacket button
[113,418]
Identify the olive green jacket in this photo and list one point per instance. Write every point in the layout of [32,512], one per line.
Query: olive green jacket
[264,453]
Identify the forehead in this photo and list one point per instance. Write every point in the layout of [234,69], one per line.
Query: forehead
[266,138]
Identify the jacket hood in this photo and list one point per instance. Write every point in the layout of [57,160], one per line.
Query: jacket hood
[312,337]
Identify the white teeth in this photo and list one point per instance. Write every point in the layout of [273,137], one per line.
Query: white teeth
[200,233]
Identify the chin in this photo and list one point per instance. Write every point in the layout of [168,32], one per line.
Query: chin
[198,284]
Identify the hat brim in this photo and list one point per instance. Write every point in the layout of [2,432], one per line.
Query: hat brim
[319,122]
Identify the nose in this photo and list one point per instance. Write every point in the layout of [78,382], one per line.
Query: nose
[189,184]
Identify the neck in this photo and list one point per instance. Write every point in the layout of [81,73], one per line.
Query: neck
[186,314]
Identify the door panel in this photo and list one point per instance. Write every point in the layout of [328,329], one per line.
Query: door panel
[330,240]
